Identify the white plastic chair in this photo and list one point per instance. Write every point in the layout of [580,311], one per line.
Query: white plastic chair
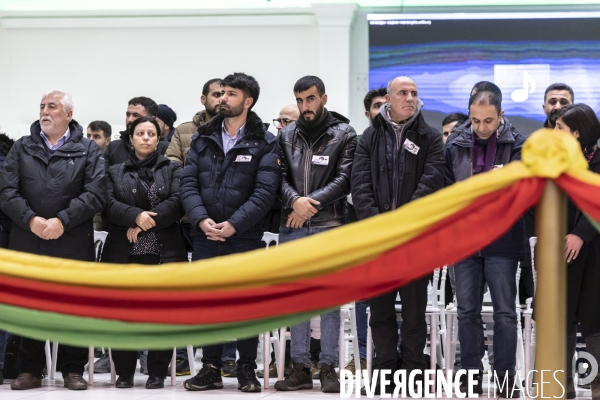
[268,238]
[99,240]
[349,333]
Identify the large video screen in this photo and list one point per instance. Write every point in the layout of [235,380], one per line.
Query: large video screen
[446,54]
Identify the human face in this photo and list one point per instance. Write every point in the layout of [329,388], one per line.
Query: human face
[144,139]
[99,138]
[555,100]
[561,126]
[164,128]
[447,129]
[233,102]
[485,120]
[212,101]
[376,103]
[310,105]
[134,111]
[54,119]
[288,115]
[402,99]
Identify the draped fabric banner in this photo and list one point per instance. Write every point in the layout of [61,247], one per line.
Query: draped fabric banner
[133,306]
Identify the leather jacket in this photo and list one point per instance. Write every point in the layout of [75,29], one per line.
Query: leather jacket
[320,171]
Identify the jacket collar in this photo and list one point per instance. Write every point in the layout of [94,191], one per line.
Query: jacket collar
[160,161]
[75,130]
[464,138]
[418,125]
[254,129]
[333,117]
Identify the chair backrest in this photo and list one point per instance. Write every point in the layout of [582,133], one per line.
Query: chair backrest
[269,237]
[99,239]
[532,243]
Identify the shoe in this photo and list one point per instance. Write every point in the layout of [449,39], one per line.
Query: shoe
[314,369]
[182,367]
[300,378]
[102,366]
[352,366]
[75,381]
[124,382]
[26,381]
[98,353]
[595,386]
[571,393]
[329,379]
[208,378]
[144,362]
[477,389]
[247,381]
[272,371]
[229,369]
[510,390]
[155,382]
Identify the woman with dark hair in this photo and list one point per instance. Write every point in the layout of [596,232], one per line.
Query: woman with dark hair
[582,249]
[143,209]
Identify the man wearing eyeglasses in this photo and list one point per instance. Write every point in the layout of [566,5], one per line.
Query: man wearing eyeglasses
[287,115]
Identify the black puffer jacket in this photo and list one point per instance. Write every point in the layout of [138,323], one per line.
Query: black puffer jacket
[459,166]
[216,186]
[71,185]
[422,173]
[118,151]
[6,144]
[125,204]
[329,184]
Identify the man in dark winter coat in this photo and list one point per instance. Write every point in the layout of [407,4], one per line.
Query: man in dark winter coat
[398,159]
[118,151]
[489,142]
[51,185]
[228,185]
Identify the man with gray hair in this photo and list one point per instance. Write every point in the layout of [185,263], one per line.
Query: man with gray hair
[52,183]
[399,159]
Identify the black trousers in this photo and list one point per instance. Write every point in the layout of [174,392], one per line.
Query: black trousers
[32,358]
[126,361]
[384,327]
[247,348]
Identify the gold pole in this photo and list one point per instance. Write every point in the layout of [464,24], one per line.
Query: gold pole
[551,292]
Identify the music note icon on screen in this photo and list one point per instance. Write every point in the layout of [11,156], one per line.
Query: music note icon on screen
[521,95]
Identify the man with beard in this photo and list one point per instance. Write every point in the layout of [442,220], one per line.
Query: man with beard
[211,100]
[118,151]
[228,185]
[489,142]
[316,162]
[556,96]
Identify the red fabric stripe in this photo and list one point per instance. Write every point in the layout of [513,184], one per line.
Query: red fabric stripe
[583,194]
[450,240]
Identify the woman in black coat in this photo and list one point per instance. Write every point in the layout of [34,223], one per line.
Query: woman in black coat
[582,249]
[143,209]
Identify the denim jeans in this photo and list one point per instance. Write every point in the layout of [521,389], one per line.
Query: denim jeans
[3,339]
[361,327]
[330,322]
[500,275]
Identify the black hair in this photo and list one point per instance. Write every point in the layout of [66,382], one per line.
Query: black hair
[368,101]
[206,86]
[6,143]
[486,92]
[246,83]
[140,120]
[306,82]
[455,116]
[486,86]
[581,118]
[146,102]
[560,86]
[103,126]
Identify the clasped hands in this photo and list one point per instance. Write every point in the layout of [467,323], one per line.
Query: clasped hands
[217,232]
[303,210]
[144,221]
[47,229]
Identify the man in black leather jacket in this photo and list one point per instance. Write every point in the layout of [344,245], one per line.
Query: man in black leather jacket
[316,163]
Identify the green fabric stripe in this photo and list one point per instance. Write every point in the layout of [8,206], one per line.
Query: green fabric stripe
[593,222]
[82,331]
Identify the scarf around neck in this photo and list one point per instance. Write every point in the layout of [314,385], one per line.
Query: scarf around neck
[483,152]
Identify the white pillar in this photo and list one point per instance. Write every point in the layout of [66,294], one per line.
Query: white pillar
[334,22]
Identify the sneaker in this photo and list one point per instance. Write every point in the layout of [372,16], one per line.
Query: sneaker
[75,381]
[98,353]
[300,378]
[247,381]
[182,367]
[102,366]
[314,369]
[155,382]
[477,389]
[329,379]
[510,390]
[208,378]
[352,366]
[273,371]
[229,369]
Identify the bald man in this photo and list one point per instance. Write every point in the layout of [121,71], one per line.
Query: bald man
[287,115]
[398,159]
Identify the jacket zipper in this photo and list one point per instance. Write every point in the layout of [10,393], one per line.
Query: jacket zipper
[307,166]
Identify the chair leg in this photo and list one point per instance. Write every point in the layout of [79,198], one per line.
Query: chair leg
[266,357]
[192,359]
[354,332]
[174,367]
[281,350]
[369,354]
[113,373]
[449,329]
[342,350]
[433,349]
[48,358]
[527,351]
[54,360]
[91,366]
